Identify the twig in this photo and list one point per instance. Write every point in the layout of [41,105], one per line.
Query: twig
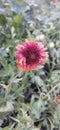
[4,86]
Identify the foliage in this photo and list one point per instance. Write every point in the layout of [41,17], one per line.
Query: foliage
[27,99]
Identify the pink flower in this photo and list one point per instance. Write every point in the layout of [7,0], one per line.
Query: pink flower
[54,1]
[57,99]
[30,55]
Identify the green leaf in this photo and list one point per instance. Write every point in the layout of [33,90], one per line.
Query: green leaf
[37,80]
[3,20]
[37,108]
[17,22]
[9,70]
[6,128]
[18,19]
[18,2]
[55,75]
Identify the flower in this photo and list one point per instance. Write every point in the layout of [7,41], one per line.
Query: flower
[54,1]
[57,99]
[30,55]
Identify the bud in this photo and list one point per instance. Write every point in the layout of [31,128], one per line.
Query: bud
[51,44]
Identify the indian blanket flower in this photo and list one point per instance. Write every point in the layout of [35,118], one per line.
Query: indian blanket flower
[57,99]
[30,55]
[54,1]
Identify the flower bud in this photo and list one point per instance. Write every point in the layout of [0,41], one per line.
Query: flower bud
[51,45]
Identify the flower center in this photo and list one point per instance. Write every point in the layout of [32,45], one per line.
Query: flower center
[33,56]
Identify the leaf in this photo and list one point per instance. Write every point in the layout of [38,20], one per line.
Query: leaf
[2,19]
[37,80]
[4,51]
[0,128]
[37,108]
[9,107]
[18,19]
[6,128]
[55,75]
[18,8]
[18,2]
[9,70]
[2,37]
